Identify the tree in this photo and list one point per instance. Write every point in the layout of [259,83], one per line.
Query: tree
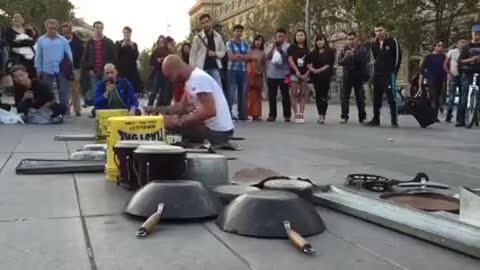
[262,20]
[145,69]
[36,12]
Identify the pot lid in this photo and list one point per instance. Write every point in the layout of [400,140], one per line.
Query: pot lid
[135,144]
[159,149]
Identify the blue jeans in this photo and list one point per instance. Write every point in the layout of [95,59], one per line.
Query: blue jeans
[454,83]
[61,86]
[467,80]
[237,80]
[215,74]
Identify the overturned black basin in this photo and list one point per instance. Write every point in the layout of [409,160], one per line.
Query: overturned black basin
[262,213]
[182,200]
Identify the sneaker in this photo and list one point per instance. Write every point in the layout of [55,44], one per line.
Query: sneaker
[373,123]
[78,114]
[344,121]
[321,120]
[301,119]
[272,119]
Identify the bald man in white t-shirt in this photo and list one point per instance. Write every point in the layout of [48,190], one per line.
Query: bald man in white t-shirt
[203,111]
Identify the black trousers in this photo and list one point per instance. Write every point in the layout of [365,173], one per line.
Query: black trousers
[322,88]
[201,133]
[350,82]
[273,85]
[57,109]
[435,89]
[384,83]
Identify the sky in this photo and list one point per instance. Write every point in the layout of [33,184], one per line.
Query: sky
[147,18]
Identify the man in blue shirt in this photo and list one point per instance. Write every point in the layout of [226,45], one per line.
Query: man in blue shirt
[238,55]
[115,93]
[53,60]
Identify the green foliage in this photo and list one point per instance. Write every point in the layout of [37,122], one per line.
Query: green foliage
[36,12]
[144,64]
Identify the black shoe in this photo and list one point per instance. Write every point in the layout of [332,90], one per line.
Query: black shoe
[460,125]
[448,119]
[344,121]
[373,123]
[437,120]
[394,125]
[78,114]
[271,119]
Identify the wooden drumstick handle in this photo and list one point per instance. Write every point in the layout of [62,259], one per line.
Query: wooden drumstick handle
[149,225]
[298,240]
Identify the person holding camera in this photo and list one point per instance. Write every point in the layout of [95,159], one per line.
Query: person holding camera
[115,93]
[277,75]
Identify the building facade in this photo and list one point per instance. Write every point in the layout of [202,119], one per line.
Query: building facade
[204,6]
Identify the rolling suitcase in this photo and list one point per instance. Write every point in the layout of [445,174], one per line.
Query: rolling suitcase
[422,110]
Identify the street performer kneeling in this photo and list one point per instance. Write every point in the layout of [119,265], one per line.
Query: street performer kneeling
[203,111]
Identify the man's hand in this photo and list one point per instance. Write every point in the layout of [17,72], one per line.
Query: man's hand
[92,73]
[304,77]
[132,111]
[186,104]
[110,87]
[28,95]
[212,54]
[298,74]
[170,122]
[148,110]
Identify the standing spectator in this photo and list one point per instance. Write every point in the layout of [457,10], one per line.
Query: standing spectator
[159,52]
[21,42]
[238,54]
[99,51]
[76,46]
[470,64]
[277,72]
[299,73]
[208,49]
[3,53]
[185,52]
[53,60]
[256,68]
[454,77]
[354,60]
[127,55]
[320,64]
[432,69]
[388,58]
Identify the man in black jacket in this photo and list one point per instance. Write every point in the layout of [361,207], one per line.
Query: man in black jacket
[99,51]
[388,58]
[76,45]
[354,59]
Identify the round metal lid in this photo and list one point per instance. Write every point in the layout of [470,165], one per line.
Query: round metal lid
[135,144]
[287,184]
[159,149]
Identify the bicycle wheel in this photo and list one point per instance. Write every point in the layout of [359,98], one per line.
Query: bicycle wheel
[471,110]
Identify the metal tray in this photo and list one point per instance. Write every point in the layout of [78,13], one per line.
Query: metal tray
[51,166]
[80,137]
[445,232]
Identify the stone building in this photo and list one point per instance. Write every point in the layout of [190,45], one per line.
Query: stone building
[204,6]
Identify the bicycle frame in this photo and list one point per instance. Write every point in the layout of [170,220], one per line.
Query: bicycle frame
[473,87]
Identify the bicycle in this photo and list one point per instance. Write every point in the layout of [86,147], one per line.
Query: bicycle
[473,103]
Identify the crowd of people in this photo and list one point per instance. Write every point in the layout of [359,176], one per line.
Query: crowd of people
[107,73]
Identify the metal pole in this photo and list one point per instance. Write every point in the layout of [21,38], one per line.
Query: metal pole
[307,19]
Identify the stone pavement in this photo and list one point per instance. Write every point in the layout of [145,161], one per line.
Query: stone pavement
[75,221]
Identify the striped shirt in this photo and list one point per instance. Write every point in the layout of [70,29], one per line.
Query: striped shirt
[240,47]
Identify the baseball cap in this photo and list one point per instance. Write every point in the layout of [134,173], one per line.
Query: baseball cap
[476,28]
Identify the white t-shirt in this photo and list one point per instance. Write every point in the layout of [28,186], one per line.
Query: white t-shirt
[201,82]
[453,55]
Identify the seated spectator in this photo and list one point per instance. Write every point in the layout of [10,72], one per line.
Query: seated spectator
[115,93]
[34,94]
[203,112]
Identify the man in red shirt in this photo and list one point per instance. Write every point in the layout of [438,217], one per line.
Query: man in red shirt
[99,51]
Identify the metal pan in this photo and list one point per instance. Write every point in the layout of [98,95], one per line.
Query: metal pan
[228,193]
[424,200]
[183,200]
[262,213]
[48,166]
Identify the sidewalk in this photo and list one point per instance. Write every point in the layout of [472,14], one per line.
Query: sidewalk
[76,222]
